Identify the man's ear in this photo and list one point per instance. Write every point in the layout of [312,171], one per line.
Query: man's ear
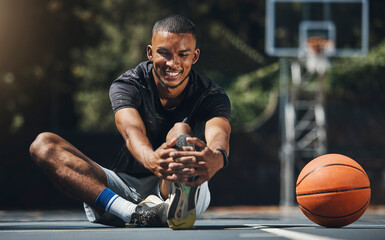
[196,55]
[149,53]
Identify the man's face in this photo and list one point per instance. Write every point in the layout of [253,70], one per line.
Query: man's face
[172,55]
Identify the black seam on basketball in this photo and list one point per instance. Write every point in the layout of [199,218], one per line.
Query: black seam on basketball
[336,217]
[334,164]
[332,191]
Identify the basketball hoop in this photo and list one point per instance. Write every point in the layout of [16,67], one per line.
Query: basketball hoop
[306,30]
[320,45]
[317,51]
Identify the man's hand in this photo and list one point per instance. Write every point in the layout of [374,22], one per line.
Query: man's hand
[164,166]
[160,161]
[202,164]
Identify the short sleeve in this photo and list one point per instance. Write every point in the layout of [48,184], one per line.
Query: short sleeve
[217,105]
[124,94]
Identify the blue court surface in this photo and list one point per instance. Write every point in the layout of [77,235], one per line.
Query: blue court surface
[216,223]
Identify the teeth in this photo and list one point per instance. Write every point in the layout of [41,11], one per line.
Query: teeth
[173,74]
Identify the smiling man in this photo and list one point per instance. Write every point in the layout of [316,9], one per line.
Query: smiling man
[176,130]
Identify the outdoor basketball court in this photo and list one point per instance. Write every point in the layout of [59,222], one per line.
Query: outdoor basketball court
[305,34]
[217,223]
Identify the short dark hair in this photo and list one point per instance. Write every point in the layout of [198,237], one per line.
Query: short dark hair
[174,24]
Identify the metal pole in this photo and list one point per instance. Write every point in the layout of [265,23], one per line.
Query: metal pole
[287,120]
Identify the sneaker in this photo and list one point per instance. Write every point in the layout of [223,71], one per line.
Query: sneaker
[151,212]
[182,213]
[182,142]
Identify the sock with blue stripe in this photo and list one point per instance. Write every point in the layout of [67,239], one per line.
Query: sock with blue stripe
[114,204]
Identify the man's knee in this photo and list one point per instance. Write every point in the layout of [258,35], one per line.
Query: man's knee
[42,146]
[182,127]
[179,128]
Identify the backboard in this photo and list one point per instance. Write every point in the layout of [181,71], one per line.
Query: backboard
[290,23]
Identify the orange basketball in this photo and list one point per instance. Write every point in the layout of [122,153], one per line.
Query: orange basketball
[333,190]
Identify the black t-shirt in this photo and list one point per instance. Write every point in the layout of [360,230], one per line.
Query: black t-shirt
[136,88]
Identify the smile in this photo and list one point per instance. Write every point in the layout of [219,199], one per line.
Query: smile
[172,74]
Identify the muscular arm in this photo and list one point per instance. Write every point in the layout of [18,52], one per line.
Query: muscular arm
[218,133]
[131,127]
[133,130]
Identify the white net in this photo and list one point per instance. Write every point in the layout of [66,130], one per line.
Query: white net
[316,54]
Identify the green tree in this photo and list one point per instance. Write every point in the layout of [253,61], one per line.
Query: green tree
[35,81]
[125,28]
[360,76]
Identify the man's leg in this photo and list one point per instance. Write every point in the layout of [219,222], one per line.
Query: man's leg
[77,175]
[69,169]
[186,203]
[178,130]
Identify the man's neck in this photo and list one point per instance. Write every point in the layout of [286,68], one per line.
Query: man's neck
[170,97]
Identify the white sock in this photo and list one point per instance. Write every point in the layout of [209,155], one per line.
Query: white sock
[114,204]
[120,207]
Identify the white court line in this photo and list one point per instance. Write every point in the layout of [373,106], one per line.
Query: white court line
[289,234]
[82,230]
[295,235]
[256,235]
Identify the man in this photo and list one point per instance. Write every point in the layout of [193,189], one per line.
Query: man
[160,177]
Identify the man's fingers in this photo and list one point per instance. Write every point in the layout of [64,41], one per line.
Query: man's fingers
[186,163]
[164,163]
[185,160]
[170,143]
[197,142]
[181,168]
[179,177]
[197,182]
[187,148]
[172,177]
[164,153]
[180,154]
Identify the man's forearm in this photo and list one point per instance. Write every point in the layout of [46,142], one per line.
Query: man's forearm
[220,140]
[139,146]
[218,134]
[133,131]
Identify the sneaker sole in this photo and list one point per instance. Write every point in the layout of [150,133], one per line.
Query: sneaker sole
[182,213]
